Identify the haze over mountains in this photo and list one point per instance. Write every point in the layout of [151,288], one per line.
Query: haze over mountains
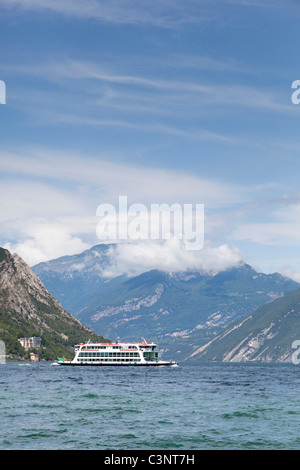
[181,310]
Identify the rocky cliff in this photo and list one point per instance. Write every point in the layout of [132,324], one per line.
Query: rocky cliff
[28,309]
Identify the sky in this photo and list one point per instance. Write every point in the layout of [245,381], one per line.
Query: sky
[159,101]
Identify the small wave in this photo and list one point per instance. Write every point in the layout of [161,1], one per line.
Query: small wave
[90,395]
[239,414]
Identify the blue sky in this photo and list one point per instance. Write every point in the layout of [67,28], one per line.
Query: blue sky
[166,102]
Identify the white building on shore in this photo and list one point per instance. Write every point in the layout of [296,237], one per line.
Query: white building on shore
[32,342]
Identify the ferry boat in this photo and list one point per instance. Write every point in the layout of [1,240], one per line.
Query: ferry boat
[116,354]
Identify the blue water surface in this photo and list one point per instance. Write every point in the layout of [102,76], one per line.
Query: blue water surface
[208,406]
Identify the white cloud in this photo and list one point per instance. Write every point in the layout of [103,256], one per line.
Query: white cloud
[290,273]
[46,241]
[169,256]
[105,181]
[280,227]
[22,198]
[48,200]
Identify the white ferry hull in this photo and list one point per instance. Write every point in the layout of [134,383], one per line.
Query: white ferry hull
[120,364]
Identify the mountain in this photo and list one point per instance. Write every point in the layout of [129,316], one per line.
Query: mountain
[27,309]
[267,334]
[77,280]
[157,305]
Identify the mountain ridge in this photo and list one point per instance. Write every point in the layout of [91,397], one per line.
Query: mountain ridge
[266,335]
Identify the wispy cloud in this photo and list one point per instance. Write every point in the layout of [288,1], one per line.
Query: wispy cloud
[177,96]
[163,14]
[260,4]
[169,13]
[194,134]
[110,179]
[280,226]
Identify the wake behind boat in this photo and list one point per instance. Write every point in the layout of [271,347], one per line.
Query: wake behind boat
[116,354]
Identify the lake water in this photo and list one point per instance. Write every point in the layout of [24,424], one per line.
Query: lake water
[209,406]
